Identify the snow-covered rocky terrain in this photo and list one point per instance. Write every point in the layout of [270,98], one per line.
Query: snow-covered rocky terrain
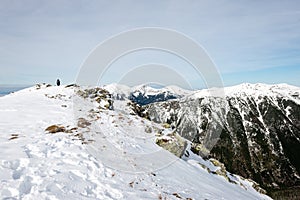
[76,143]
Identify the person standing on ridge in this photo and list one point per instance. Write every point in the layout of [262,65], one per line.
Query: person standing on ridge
[58,82]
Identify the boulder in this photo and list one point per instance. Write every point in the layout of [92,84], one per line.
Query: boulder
[55,129]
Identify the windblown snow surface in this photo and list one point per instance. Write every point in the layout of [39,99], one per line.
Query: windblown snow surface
[88,159]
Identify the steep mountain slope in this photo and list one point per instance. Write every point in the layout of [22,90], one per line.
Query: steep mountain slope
[70,143]
[258,126]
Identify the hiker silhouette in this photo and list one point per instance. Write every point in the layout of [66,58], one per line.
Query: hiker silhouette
[58,82]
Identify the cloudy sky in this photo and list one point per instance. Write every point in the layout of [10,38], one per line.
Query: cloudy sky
[249,41]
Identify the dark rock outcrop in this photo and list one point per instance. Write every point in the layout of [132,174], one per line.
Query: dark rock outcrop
[142,99]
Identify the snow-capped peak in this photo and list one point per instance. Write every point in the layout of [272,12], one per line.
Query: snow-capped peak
[260,89]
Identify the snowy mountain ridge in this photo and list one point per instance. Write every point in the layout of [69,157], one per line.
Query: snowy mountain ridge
[47,153]
[244,89]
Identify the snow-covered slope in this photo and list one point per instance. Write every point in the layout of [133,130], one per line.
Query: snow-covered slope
[118,91]
[260,89]
[67,162]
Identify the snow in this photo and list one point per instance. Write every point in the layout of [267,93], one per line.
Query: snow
[287,110]
[260,89]
[115,88]
[35,164]
[177,90]
[145,90]
[257,91]
[245,89]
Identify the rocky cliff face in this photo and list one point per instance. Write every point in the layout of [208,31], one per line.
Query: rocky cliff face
[254,130]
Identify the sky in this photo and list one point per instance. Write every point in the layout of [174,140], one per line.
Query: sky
[249,41]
